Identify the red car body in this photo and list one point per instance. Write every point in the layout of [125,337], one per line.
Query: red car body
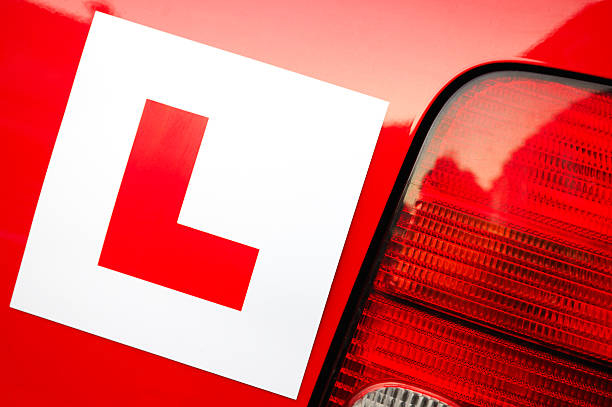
[404,52]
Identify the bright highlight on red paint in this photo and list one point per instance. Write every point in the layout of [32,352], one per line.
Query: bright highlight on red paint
[506,224]
[144,239]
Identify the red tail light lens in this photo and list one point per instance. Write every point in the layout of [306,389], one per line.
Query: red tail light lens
[470,367]
[506,223]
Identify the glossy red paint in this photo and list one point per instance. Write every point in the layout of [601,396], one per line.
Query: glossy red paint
[144,239]
[403,52]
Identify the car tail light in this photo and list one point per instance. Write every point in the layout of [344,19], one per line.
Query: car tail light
[492,285]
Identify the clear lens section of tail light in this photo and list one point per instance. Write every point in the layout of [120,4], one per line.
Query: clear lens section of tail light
[506,223]
[396,395]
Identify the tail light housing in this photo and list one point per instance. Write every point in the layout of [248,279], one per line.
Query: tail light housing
[489,280]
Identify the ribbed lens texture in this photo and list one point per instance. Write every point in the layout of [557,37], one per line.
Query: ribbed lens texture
[464,365]
[506,223]
[397,397]
[508,220]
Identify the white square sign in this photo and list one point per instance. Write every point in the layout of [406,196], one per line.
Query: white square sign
[280,169]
